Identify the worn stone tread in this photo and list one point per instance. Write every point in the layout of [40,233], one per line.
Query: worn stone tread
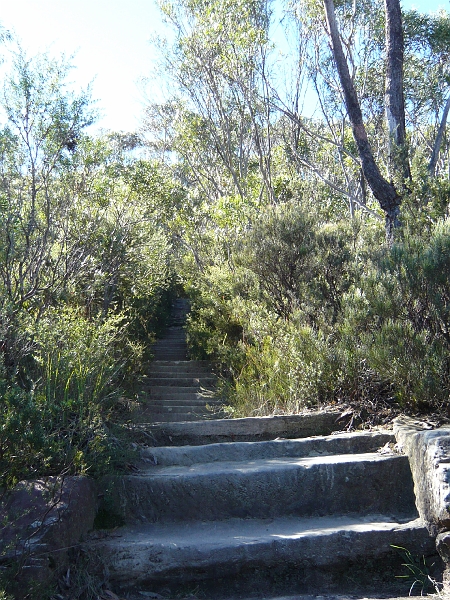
[244,429]
[377,596]
[189,552]
[246,467]
[342,443]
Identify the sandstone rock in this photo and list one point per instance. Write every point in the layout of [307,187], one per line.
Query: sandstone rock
[428,451]
[40,521]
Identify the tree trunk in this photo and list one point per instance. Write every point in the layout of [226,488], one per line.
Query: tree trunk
[438,141]
[394,97]
[384,192]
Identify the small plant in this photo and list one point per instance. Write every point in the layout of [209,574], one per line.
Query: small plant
[418,574]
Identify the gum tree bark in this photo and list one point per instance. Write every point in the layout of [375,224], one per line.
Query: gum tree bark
[383,190]
[438,141]
[394,97]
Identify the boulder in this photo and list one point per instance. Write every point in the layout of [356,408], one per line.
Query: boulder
[428,450]
[41,521]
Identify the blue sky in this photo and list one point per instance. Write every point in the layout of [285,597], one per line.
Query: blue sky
[111,42]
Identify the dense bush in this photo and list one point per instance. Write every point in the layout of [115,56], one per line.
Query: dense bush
[85,273]
[310,313]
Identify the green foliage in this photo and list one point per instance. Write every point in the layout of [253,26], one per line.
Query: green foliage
[22,434]
[60,424]
[283,373]
[304,313]
[418,573]
[299,264]
[412,346]
[85,268]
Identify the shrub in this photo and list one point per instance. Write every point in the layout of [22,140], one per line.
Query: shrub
[23,442]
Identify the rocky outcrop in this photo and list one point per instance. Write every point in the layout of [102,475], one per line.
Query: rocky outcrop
[428,451]
[40,522]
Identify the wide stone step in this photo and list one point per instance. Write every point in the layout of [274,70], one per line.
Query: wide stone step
[149,416]
[249,429]
[342,443]
[183,400]
[170,354]
[180,381]
[251,556]
[162,391]
[168,348]
[176,334]
[182,374]
[164,408]
[169,344]
[187,365]
[175,329]
[179,370]
[156,390]
[267,488]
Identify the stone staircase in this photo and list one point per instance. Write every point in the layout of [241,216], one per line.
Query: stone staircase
[257,519]
[175,388]
[257,507]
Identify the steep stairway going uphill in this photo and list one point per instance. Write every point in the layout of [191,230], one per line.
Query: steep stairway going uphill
[175,388]
[255,508]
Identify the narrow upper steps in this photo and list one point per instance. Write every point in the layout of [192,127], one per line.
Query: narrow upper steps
[176,389]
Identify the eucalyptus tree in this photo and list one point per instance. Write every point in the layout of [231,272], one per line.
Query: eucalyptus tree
[217,62]
[43,122]
[427,84]
[383,190]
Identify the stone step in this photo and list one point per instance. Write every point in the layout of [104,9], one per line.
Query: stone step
[180,381]
[170,354]
[176,408]
[161,392]
[175,329]
[164,366]
[163,350]
[170,344]
[172,334]
[267,488]
[182,400]
[251,556]
[249,429]
[342,443]
[180,373]
[153,417]
[177,332]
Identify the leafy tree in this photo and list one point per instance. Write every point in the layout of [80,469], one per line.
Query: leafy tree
[218,62]
[44,124]
[85,263]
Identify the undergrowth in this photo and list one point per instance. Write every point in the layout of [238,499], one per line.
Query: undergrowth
[304,315]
